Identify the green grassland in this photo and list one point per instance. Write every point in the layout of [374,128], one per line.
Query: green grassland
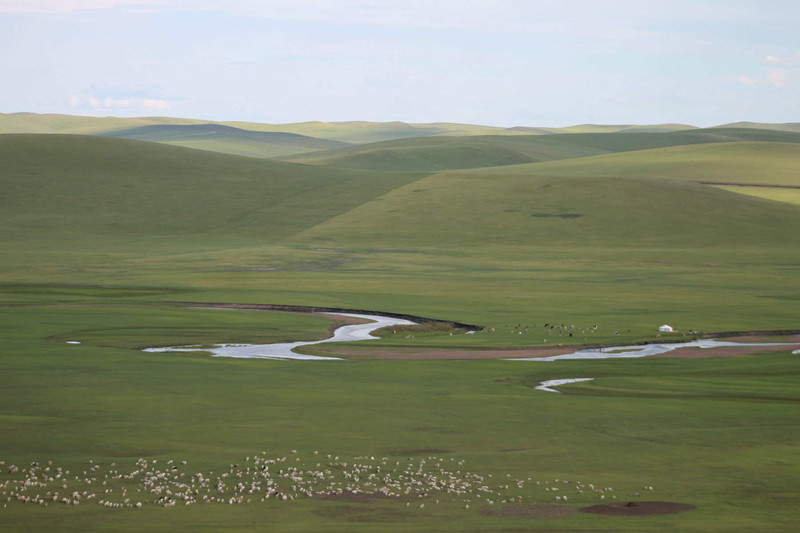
[720,434]
[98,236]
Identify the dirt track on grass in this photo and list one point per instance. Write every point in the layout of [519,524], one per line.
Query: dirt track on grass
[729,351]
[439,354]
[412,354]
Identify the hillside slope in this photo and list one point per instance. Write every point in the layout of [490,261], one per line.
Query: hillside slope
[641,199]
[69,185]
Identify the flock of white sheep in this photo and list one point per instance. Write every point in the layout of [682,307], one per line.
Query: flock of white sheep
[413,482]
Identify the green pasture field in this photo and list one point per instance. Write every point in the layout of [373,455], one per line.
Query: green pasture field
[100,237]
[717,433]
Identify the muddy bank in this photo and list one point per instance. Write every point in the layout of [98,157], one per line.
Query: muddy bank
[412,354]
[730,351]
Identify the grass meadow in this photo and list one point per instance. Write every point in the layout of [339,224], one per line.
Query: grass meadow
[100,237]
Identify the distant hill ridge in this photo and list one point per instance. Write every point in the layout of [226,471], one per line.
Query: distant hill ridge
[168,131]
[265,140]
[448,152]
[222,138]
[25,122]
[786,126]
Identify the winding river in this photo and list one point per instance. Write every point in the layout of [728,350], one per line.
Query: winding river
[619,352]
[362,332]
[285,350]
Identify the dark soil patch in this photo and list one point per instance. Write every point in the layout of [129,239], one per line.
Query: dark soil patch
[365,513]
[725,351]
[316,309]
[638,508]
[533,511]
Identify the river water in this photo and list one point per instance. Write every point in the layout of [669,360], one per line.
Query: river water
[620,352]
[550,383]
[285,350]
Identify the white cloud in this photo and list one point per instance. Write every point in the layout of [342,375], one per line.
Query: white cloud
[115,102]
[776,77]
[780,75]
[110,104]
[774,60]
[160,105]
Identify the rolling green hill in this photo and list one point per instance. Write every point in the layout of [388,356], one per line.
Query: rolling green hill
[57,185]
[226,139]
[61,185]
[444,153]
[637,198]
[527,210]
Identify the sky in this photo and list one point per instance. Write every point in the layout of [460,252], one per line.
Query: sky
[492,62]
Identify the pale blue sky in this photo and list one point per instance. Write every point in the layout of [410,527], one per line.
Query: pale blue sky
[503,62]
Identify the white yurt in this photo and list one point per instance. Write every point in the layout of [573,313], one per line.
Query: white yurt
[665,328]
